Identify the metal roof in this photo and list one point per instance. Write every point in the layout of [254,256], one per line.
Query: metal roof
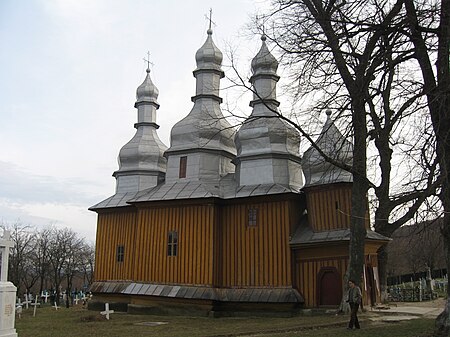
[226,188]
[116,200]
[258,295]
[305,235]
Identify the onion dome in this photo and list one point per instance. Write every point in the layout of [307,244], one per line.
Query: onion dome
[264,61]
[267,147]
[204,135]
[316,169]
[142,163]
[147,91]
[209,56]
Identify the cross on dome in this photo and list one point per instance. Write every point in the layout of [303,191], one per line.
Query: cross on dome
[210,21]
[148,62]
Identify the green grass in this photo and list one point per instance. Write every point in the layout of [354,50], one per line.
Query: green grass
[76,322]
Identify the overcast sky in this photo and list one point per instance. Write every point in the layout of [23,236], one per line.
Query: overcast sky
[69,70]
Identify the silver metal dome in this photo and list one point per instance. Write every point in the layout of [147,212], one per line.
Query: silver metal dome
[141,161]
[264,61]
[209,56]
[204,136]
[331,141]
[267,147]
[147,91]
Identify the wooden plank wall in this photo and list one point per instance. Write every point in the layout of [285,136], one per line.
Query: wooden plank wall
[322,212]
[194,261]
[114,229]
[215,245]
[256,255]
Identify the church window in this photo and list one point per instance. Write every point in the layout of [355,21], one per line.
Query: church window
[252,216]
[183,165]
[120,253]
[172,245]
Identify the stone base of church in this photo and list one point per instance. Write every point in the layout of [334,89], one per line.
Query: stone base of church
[157,299]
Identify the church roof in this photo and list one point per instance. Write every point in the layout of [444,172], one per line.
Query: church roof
[226,188]
[252,294]
[316,169]
[116,200]
[305,235]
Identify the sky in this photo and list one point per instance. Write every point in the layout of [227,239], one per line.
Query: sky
[69,70]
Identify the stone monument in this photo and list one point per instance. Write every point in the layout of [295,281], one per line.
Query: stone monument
[7,291]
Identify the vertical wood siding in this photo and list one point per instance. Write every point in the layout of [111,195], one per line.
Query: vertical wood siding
[194,261]
[256,255]
[114,229]
[322,212]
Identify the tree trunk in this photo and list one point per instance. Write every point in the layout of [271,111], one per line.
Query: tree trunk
[359,190]
[383,258]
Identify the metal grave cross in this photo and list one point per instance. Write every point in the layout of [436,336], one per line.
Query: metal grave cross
[5,244]
[76,299]
[56,306]
[107,311]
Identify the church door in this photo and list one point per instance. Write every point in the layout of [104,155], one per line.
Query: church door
[329,286]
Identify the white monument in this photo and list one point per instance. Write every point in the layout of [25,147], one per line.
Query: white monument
[7,291]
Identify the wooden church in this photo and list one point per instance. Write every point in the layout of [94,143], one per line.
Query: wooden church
[227,220]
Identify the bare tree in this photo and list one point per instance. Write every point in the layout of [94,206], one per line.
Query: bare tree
[19,266]
[41,257]
[88,263]
[60,252]
[355,57]
[429,28]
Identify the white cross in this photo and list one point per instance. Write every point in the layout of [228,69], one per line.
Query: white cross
[56,306]
[107,311]
[45,296]
[35,304]
[5,244]
[27,301]
[76,300]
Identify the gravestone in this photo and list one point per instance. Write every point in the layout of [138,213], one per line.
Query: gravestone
[7,291]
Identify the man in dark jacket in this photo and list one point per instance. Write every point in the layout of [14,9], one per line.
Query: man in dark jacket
[354,300]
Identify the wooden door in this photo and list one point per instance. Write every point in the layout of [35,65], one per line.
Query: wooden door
[330,286]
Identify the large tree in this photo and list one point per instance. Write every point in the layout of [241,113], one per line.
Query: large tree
[429,28]
[353,56]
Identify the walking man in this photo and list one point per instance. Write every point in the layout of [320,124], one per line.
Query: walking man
[354,300]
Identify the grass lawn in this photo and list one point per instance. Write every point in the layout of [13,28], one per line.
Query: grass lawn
[76,322]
